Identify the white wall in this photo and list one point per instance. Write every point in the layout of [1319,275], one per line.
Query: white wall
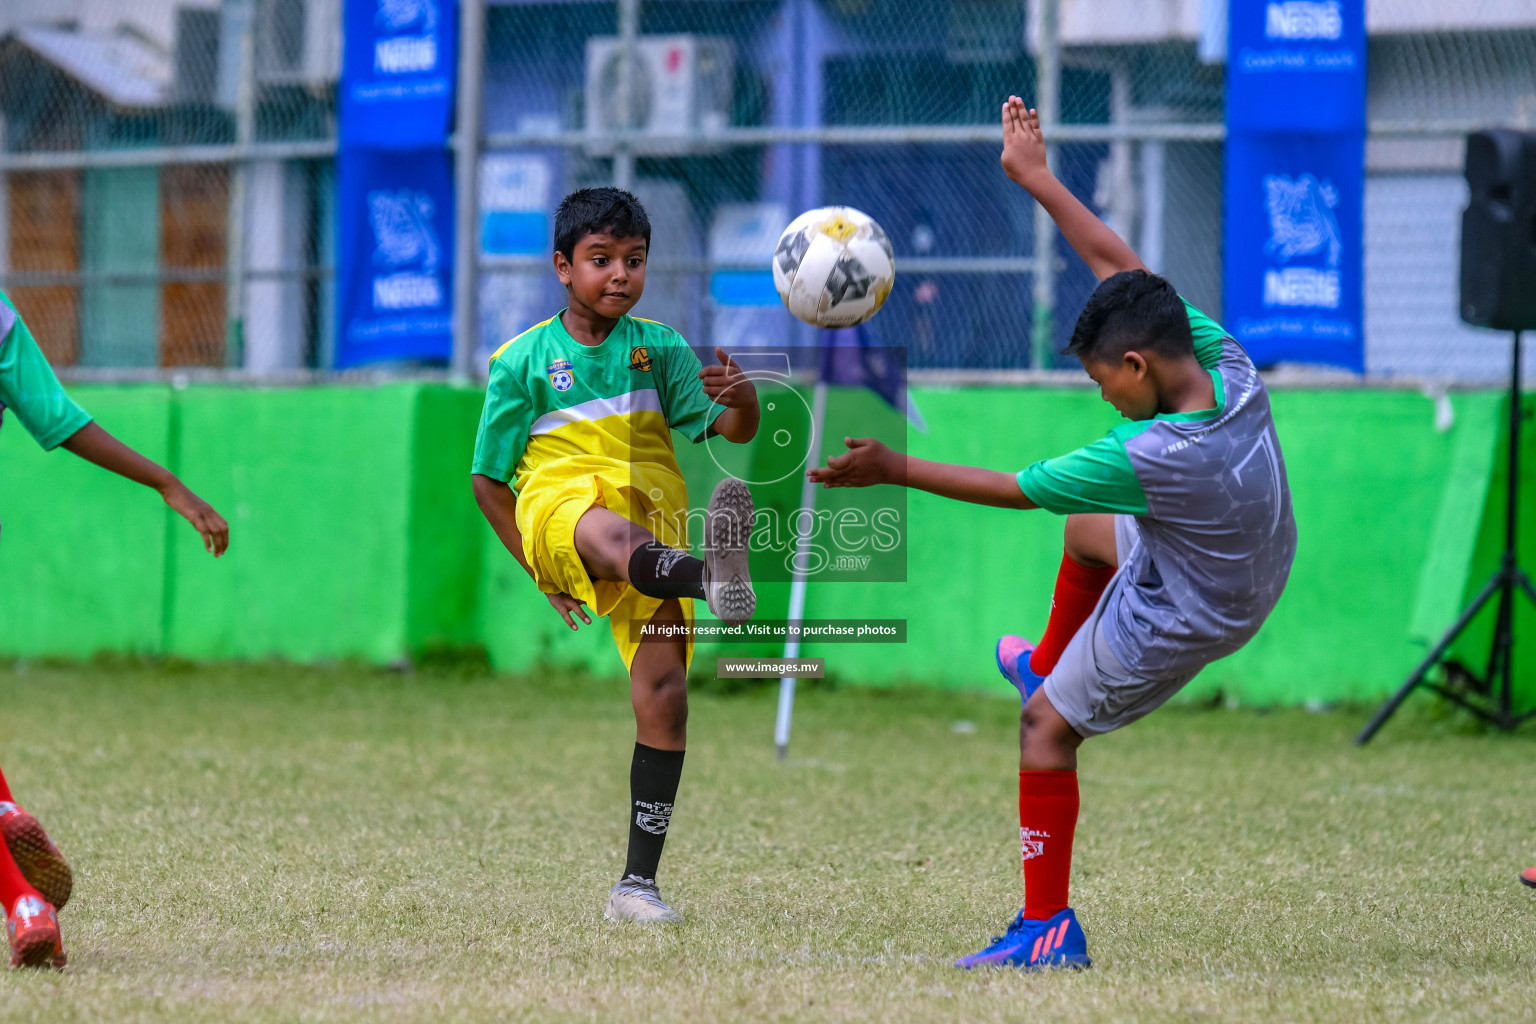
[275,309]
[155,20]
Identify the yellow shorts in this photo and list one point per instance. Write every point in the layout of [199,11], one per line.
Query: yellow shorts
[558,493]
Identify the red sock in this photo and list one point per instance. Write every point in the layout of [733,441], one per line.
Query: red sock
[5,791]
[1047,819]
[1077,591]
[12,885]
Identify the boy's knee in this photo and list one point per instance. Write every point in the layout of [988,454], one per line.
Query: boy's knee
[620,538]
[1089,539]
[1046,741]
[668,697]
[1034,726]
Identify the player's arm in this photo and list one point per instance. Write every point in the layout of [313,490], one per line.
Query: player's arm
[499,446]
[1024,161]
[29,386]
[498,503]
[868,462]
[95,445]
[726,385]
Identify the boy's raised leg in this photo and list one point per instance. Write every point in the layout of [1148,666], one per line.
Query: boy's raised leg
[1088,563]
[613,548]
[659,692]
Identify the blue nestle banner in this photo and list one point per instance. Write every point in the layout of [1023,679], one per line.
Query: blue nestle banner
[1295,180]
[1296,64]
[1294,247]
[394,255]
[398,73]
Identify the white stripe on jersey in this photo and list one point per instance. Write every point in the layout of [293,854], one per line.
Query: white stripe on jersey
[644,400]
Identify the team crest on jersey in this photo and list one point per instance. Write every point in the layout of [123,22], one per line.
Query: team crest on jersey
[640,358]
[560,376]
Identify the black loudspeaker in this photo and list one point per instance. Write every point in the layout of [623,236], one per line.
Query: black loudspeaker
[1498,289]
[1498,231]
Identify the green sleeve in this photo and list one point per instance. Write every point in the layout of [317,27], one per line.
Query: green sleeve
[688,409]
[1098,478]
[1209,337]
[29,388]
[504,424]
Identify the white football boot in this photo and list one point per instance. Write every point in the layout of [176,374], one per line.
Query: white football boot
[638,899]
[727,530]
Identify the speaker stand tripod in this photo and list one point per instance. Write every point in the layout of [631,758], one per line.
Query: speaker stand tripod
[1497,685]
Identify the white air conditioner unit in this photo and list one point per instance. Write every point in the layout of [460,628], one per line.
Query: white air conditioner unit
[298,42]
[680,85]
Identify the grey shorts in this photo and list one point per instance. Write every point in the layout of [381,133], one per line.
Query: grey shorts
[1089,687]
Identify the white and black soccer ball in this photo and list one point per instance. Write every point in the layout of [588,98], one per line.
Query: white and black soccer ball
[833,266]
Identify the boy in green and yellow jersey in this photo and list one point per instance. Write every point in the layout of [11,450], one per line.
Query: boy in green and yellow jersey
[575,472]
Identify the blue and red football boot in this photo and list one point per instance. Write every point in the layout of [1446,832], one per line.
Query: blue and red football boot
[1013,662]
[1035,945]
[1528,876]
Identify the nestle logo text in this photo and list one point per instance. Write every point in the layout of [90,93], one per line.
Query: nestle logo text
[403,55]
[1304,19]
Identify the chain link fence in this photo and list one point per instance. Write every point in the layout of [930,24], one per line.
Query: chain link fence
[142,146]
[168,180]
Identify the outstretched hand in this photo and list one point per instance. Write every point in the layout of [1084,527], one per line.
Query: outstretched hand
[726,385]
[1023,145]
[866,462]
[207,522]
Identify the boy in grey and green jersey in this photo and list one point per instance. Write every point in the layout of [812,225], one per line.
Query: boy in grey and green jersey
[1212,514]
[1178,541]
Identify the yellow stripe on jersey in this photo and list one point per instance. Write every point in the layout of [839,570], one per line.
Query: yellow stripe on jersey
[508,344]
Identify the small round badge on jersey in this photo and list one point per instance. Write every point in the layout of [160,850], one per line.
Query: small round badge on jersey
[640,358]
[560,375]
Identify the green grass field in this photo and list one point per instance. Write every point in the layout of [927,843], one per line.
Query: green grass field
[281,843]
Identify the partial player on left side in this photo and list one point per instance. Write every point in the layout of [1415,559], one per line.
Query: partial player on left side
[35,880]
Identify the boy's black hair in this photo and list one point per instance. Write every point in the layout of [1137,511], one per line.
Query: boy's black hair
[1134,309]
[598,211]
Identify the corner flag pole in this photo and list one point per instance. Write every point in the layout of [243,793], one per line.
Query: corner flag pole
[804,527]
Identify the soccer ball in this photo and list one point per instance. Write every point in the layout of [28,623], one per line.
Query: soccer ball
[833,267]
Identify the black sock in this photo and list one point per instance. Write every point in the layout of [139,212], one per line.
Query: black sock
[659,571]
[653,776]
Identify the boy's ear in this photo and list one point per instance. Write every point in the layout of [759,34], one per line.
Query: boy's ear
[562,267]
[1136,363]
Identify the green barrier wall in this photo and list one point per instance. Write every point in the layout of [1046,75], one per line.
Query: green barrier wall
[353,531]
[354,534]
[82,552]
